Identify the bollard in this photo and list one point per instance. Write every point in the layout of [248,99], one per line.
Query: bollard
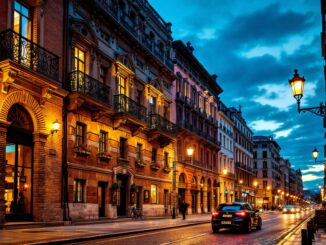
[304,237]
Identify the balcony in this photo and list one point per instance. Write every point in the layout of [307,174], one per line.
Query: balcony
[124,21]
[84,84]
[180,97]
[161,130]
[28,54]
[129,113]
[244,167]
[188,102]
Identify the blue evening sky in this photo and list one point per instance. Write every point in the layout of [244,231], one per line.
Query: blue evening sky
[254,46]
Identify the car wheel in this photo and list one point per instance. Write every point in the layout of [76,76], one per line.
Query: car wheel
[248,228]
[215,229]
[260,223]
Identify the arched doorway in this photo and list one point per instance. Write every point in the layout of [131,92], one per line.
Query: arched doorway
[19,165]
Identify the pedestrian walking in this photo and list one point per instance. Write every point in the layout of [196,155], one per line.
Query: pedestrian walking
[183,208]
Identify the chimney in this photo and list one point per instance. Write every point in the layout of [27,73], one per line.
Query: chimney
[168,26]
[214,76]
[190,47]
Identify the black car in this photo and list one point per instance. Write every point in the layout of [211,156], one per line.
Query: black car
[239,215]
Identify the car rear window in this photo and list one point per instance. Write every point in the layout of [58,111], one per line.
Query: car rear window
[230,208]
[289,206]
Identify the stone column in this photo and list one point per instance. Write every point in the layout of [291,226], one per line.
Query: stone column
[3,140]
[39,177]
[188,199]
[198,202]
[205,200]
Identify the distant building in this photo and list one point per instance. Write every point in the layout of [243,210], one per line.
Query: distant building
[267,164]
[243,157]
[195,105]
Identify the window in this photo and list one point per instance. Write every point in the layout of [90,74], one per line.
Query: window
[154,194]
[152,105]
[264,184]
[123,153]
[264,154]
[255,164]
[166,160]
[186,89]
[79,60]
[264,164]
[22,20]
[103,141]
[122,85]
[255,154]
[80,134]
[139,151]
[139,96]
[103,72]
[265,174]
[79,186]
[154,155]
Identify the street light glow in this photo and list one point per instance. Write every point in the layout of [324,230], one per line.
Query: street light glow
[297,85]
[190,151]
[315,153]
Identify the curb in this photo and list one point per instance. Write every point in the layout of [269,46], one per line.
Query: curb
[290,232]
[104,236]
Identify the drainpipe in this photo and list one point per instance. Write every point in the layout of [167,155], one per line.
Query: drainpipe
[65,186]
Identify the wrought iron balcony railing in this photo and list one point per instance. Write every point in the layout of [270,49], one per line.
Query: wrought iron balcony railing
[23,51]
[82,83]
[156,121]
[123,104]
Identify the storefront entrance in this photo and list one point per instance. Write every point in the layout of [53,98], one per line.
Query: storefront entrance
[122,194]
[19,166]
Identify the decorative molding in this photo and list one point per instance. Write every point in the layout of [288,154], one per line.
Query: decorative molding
[8,77]
[29,102]
[46,95]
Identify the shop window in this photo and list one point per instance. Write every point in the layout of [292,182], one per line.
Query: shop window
[79,189]
[103,141]
[154,194]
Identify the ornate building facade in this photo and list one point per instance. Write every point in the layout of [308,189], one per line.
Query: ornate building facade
[226,155]
[120,133]
[195,106]
[31,101]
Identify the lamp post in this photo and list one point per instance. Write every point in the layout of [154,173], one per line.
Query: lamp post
[315,156]
[225,172]
[279,196]
[297,86]
[241,182]
[267,189]
[256,190]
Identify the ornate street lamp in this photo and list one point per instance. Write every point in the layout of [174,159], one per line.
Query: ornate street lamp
[190,153]
[315,156]
[297,86]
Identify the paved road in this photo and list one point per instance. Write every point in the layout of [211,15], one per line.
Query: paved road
[274,226]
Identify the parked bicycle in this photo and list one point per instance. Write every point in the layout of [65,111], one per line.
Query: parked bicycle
[136,213]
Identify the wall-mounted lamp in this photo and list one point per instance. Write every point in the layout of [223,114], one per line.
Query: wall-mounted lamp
[55,126]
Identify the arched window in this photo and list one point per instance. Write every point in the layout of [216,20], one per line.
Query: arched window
[194,181]
[182,178]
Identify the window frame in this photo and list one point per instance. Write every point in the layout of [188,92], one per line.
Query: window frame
[154,198]
[103,147]
[79,195]
[78,60]
[82,136]
[29,18]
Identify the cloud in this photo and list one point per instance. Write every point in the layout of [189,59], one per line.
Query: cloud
[279,95]
[314,168]
[261,125]
[311,177]
[285,133]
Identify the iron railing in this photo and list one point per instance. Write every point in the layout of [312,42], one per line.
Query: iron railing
[123,104]
[156,121]
[23,51]
[82,83]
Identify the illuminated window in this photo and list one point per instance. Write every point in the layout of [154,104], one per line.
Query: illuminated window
[103,141]
[152,104]
[154,155]
[79,60]
[122,85]
[154,194]
[79,186]
[22,20]
[80,133]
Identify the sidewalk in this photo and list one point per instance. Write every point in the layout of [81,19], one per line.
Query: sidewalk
[64,234]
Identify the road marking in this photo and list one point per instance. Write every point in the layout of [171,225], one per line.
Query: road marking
[184,239]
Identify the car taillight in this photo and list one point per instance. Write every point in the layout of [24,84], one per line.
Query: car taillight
[242,214]
[214,214]
[284,210]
